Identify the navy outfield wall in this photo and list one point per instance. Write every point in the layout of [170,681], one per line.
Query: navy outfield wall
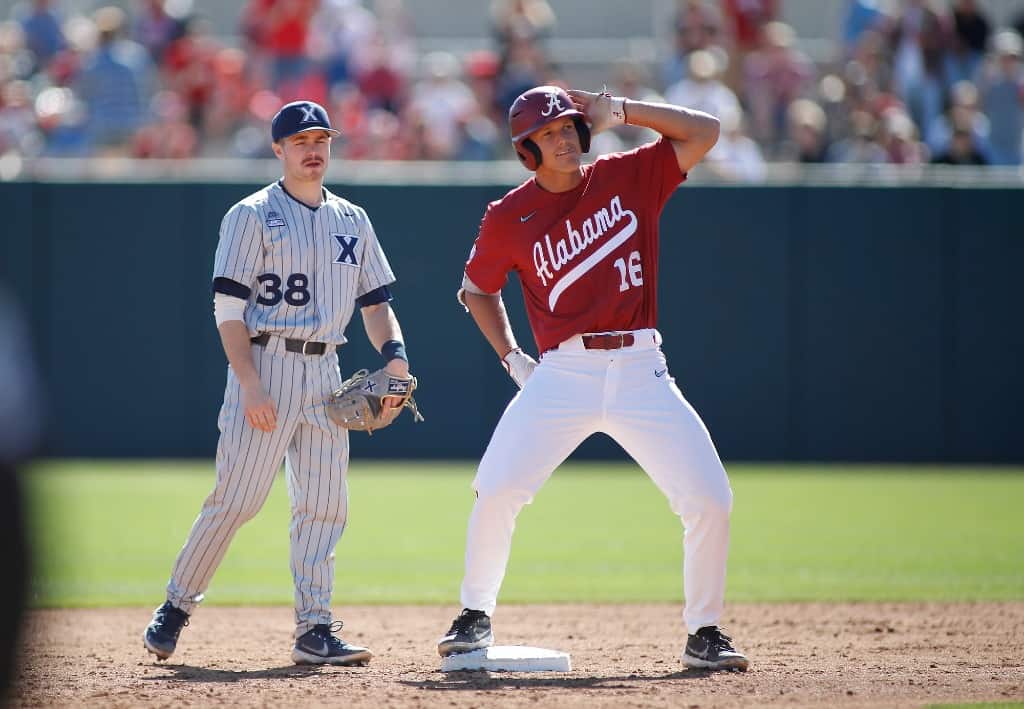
[803,323]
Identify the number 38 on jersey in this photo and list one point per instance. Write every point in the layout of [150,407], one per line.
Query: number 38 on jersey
[295,292]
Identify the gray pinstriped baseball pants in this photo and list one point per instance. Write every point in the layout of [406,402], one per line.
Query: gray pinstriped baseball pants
[316,464]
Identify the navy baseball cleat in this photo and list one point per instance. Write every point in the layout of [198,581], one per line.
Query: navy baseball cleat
[161,636]
[711,649]
[321,647]
[470,631]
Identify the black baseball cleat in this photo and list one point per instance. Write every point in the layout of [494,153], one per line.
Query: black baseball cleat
[711,649]
[161,636]
[470,631]
[321,647]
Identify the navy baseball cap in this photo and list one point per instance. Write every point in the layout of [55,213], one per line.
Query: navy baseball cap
[298,117]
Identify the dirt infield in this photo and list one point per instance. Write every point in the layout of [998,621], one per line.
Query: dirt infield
[623,656]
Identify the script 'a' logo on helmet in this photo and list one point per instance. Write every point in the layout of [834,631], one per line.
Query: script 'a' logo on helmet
[554,102]
[307,114]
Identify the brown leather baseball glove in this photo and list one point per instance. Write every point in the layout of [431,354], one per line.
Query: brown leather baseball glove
[367,401]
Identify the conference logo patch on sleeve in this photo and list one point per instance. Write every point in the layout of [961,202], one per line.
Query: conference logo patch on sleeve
[274,219]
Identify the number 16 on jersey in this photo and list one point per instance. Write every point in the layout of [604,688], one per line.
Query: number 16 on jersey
[630,268]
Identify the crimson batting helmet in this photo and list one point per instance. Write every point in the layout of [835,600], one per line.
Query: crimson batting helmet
[534,110]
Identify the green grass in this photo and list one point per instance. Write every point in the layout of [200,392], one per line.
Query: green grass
[106,533]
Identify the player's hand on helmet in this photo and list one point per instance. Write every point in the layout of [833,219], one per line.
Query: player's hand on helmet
[519,366]
[259,408]
[602,110]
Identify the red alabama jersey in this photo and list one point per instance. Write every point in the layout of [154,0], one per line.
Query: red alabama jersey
[587,258]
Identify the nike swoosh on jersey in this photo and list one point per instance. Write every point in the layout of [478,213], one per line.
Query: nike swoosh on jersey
[527,217]
[580,269]
[659,373]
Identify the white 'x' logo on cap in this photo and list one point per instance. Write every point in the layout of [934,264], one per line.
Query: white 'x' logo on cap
[307,114]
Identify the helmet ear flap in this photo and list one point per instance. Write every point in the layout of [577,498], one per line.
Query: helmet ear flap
[583,130]
[529,154]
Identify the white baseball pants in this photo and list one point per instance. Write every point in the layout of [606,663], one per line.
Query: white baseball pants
[628,394]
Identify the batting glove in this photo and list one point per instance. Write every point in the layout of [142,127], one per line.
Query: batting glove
[519,366]
[602,110]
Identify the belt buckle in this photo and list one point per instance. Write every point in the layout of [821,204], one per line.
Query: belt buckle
[622,340]
[307,342]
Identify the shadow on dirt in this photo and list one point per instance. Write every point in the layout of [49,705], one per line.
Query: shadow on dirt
[483,680]
[188,673]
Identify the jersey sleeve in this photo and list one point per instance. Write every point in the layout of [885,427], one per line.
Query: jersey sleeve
[240,254]
[489,263]
[656,170]
[375,271]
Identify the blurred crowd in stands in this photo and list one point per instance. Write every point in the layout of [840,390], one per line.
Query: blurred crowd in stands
[910,82]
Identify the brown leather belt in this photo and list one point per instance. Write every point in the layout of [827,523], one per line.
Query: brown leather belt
[608,341]
[298,346]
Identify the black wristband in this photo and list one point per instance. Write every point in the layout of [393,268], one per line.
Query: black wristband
[393,349]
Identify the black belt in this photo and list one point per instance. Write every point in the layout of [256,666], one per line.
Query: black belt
[608,341]
[299,346]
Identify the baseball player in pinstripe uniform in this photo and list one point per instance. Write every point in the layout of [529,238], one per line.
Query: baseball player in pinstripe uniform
[293,263]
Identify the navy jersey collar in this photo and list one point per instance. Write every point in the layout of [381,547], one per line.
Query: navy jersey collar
[323,192]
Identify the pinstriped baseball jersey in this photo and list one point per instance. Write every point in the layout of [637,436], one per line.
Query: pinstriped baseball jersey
[303,268]
[302,271]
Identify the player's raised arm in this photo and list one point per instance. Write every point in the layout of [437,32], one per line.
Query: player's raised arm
[693,133]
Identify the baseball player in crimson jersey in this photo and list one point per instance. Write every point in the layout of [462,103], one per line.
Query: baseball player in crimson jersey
[583,241]
[293,263]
